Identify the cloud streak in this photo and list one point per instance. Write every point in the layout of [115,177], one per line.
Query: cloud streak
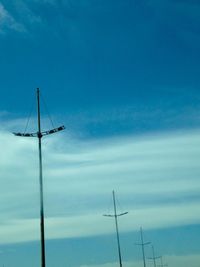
[27,15]
[8,22]
[155,177]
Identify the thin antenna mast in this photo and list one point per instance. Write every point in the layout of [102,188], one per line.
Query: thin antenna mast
[162,264]
[154,258]
[143,244]
[116,225]
[39,134]
[43,264]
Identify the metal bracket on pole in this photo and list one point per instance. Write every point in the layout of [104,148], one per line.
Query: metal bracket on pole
[55,130]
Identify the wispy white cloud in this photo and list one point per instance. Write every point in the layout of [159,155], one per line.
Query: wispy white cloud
[92,223]
[26,14]
[34,14]
[8,22]
[155,177]
[21,18]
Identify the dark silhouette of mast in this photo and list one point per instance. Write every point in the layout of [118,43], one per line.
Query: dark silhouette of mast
[43,263]
[115,215]
[154,258]
[39,134]
[143,244]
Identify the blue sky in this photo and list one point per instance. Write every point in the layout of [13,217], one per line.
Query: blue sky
[123,77]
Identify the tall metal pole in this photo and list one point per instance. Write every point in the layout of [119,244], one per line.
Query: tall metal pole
[161,261]
[143,245]
[154,257]
[117,231]
[42,235]
[116,225]
[162,264]
[39,134]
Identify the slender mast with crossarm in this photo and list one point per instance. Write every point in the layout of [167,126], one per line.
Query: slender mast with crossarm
[39,134]
[116,225]
[162,264]
[143,244]
[154,258]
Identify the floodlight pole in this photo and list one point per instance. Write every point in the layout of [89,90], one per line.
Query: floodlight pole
[42,236]
[143,244]
[39,134]
[116,226]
